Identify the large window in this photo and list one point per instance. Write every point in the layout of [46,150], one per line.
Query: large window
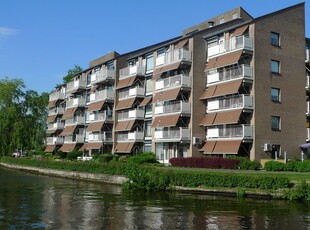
[275,39]
[275,94]
[275,123]
[148,128]
[149,86]
[275,66]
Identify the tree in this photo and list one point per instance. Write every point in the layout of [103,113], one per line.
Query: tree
[71,72]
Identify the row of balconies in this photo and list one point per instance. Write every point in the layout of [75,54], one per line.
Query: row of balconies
[77,84]
[233,44]
[56,95]
[182,107]
[131,114]
[101,95]
[102,75]
[55,126]
[232,102]
[131,71]
[94,117]
[180,80]
[172,134]
[56,111]
[131,92]
[227,74]
[99,137]
[230,132]
[174,56]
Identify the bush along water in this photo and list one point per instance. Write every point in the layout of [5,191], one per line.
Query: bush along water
[293,166]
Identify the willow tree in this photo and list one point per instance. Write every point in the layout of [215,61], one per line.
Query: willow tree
[22,116]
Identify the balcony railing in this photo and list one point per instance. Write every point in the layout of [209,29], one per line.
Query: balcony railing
[55,140]
[56,111]
[172,134]
[308,134]
[132,92]
[55,126]
[240,101]
[308,108]
[173,82]
[182,107]
[307,55]
[56,95]
[307,81]
[131,114]
[79,120]
[76,84]
[227,74]
[75,138]
[230,132]
[132,71]
[235,43]
[76,102]
[100,137]
[130,137]
[102,75]
[94,117]
[101,95]
[174,56]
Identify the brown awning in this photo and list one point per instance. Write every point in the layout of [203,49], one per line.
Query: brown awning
[88,146]
[227,147]
[96,106]
[208,93]
[161,69]
[125,104]
[51,103]
[69,113]
[68,130]
[208,147]
[224,60]
[166,95]
[146,101]
[50,148]
[51,118]
[227,88]
[240,31]
[230,117]
[166,121]
[97,126]
[208,119]
[123,147]
[181,44]
[124,126]
[125,82]
[67,147]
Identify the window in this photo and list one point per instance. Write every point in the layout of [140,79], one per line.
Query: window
[149,62]
[234,16]
[110,66]
[149,86]
[148,128]
[275,39]
[275,123]
[275,66]
[275,95]
[222,20]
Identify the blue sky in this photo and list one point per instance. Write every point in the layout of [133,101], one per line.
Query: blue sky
[41,39]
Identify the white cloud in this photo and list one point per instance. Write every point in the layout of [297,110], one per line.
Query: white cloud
[7,32]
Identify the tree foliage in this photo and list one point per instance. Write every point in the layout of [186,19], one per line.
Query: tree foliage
[71,72]
[22,117]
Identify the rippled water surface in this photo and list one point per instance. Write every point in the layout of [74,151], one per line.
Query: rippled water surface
[29,201]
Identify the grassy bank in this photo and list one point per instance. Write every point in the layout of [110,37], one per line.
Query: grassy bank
[284,185]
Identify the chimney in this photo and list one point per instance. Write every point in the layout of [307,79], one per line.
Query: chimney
[211,24]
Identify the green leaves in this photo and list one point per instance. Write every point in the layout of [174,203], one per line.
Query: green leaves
[71,72]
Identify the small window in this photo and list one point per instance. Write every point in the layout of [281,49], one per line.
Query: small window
[275,95]
[222,20]
[234,16]
[148,128]
[149,62]
[275,123]
[275,39]
[275,66]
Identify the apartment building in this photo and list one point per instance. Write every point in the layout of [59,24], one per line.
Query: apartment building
[231,85]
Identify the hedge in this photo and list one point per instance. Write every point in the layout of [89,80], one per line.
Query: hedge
[208,162]
[293,166]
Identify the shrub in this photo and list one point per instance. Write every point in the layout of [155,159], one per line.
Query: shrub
[274,166]
[294,165]
[105,157]
[60,155]
[73,155]
[246,164]
[147,157]
[213,163]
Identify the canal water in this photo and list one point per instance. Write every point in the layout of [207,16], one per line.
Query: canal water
[29,201]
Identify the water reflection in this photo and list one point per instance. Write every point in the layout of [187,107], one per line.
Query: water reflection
[40,202]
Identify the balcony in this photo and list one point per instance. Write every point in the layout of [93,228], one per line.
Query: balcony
[56,95]
[136,136]
[240,101]
[95,117]
[131,114]
[101,95]
[308,108]
[172,134]
[308,134]
[79,120]
[132,71]
[181,107]
[233,44]
[230,132]
[174,56]
[55,140]
[307,55]
[227,74]
[76,102]
[100,137]
[77,84]
[102,75]
[55,126]
[132,92]
[75,138]
[173,82]
[56,111]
